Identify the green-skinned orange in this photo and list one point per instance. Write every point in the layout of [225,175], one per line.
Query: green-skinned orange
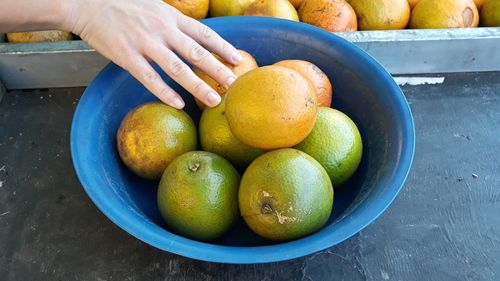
[285,194]
[216,137]
[335,142]
[152,135]
[198,195]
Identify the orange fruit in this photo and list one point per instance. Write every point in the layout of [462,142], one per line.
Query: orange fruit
[331,15]
[317,77]
[444,14]
[335,142]
[490,13]
[479,3]
[272,8]
[221,8]
[381,14]
[216,137]
[285,194]
[413,3]
[39,36]
[198,195]
[197,9]
[271,107]
[246,65]
[152,135]
[296,3]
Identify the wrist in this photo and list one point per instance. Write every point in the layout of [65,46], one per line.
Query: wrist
[66,14]
[32,15]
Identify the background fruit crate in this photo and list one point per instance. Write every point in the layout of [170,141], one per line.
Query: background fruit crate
[402,52]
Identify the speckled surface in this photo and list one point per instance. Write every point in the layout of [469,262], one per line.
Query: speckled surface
[445,225]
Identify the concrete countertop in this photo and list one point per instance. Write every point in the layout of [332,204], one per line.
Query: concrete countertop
[445,224]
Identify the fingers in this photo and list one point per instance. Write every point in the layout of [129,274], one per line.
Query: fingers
[203,59]
[144,72]
[182,74]
[210,39]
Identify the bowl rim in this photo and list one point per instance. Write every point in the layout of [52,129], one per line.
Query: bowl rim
[269,253]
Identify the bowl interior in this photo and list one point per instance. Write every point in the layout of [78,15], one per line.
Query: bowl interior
[362,90]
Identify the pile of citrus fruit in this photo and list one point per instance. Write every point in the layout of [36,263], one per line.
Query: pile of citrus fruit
[270,152]
[351,15]
[332,15]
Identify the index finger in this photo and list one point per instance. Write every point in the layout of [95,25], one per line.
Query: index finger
[140,68]
[210,39]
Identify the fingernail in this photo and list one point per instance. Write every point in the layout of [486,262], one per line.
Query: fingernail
[237,58]
[213,99]
[230,81]
[178,103]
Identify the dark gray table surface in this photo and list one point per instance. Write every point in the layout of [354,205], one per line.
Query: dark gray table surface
[445,224]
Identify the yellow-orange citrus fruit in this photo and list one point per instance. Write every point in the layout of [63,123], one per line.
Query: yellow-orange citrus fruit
[39,36]
[318,78]
[272,8]
[246,65]
[381,14]
[152,135]
[331,15]
[271,107]
[444,14]
[490,13]
[197,9]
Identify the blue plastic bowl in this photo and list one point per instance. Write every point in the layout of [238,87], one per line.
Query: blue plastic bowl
[362,89]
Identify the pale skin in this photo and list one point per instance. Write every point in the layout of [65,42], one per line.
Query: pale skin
[134,33]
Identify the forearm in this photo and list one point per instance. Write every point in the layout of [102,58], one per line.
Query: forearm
[28,15]
[133,34]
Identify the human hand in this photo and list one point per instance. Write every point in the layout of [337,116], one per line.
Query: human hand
[133,33]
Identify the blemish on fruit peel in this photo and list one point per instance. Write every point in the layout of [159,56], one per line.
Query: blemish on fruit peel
[415,81]
[284,219]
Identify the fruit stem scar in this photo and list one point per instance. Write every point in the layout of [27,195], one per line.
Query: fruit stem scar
[468,17]
[266,209]
[194,167]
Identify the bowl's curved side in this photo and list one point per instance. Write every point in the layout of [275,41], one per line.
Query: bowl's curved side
[86,156]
